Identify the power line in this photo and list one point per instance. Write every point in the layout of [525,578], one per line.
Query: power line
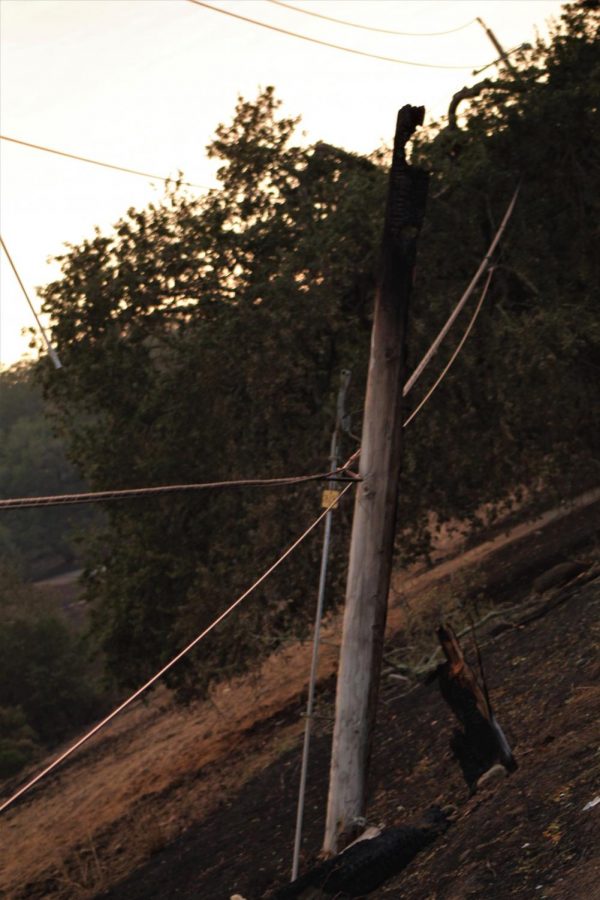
[309,12]
[304,37]
[51,351]
[485,264]
[473,284]
[138,493]
[450,362]
[503,58]
[338,474]
[97,162]
[352,459]
[174,660]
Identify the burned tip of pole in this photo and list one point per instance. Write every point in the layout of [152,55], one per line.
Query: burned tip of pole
[408,184]
[409,118]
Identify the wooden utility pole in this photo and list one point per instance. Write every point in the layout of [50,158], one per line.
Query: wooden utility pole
[374,523]
[497,46]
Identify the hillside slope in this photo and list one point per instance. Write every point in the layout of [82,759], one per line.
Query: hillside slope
[207,794]
[526,836]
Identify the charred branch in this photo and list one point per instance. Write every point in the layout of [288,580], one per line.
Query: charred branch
[480,743]
[368,863]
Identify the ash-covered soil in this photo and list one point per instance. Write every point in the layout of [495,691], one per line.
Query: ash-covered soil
[527,835]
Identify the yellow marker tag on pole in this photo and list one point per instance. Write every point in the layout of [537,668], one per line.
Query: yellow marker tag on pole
[328,497]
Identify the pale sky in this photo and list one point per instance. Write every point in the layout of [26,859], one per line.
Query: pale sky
[144,83]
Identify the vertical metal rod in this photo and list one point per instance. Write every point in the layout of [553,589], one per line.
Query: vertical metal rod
[333,459]
[311,697]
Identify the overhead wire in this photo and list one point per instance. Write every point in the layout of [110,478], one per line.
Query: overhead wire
[89,734]
[304,37]
[410,383]
[456,352]
[97,162]
[51,351]
[340,474]
[137,493]
[256,482]
[471,287]
[112,495]
[310,12]
[352,459]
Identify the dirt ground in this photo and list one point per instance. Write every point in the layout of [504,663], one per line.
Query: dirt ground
[202,804]
[526,836]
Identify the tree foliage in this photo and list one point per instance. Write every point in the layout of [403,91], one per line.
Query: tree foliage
[33,463]
[46,687]
[204,338]
[519,407]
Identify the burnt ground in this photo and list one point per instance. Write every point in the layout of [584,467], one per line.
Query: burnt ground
[525,836]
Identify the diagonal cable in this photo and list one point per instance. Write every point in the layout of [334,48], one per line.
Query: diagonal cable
[82,740]
[97,162]
[473,284]
[450,362]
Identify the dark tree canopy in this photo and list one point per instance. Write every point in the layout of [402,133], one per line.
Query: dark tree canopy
[46,685]
[33,463]
[203,338]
